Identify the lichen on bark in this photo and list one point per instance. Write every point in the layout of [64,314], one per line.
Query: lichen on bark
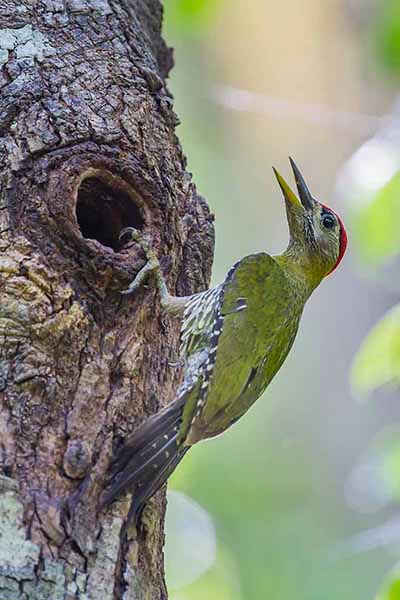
[87,146]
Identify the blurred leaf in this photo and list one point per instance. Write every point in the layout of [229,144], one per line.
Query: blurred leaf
[376,224]
[388,34]
[378,360]
[391,587]
[391,468]
[374,482]
[189,14]
[367,489]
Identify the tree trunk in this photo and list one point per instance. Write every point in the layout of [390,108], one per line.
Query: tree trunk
[87,147]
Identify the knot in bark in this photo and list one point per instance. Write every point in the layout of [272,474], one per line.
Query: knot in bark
[77,459]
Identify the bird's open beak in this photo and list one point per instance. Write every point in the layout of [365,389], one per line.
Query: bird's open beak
[305,195]
[288,194]
[305,199]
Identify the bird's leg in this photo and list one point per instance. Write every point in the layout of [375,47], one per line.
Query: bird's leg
[172,304]
[178,364]
[152,265]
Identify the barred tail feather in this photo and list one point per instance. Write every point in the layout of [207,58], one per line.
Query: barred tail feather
[139,445]
[146,460]
[153,484]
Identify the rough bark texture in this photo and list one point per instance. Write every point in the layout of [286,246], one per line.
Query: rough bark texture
[87,147]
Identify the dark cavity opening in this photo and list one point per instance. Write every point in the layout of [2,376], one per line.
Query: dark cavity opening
[103,211]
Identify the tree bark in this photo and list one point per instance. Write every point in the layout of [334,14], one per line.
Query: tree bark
[87,147]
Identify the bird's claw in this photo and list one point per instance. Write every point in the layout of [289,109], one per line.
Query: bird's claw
[135,234]
[138,237]
[152,261]
[130,289]
[178,364]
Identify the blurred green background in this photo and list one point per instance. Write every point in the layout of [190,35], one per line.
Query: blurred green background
[300,499]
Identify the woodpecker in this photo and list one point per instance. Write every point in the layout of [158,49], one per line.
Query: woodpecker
[234,339]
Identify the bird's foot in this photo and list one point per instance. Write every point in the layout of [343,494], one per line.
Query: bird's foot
[152,265]
[177,364]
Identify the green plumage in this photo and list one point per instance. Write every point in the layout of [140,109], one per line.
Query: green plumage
[234,339]
[252,345]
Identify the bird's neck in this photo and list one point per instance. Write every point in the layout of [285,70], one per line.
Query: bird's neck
[307,270]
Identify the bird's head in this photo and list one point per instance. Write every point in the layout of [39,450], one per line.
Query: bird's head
[318,238]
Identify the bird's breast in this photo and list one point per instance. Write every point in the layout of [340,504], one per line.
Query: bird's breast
[248,357]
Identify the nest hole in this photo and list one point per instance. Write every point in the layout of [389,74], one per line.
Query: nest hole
[103,211]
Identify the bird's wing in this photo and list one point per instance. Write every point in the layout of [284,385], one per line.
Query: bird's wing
[199,320]
[248,338]
[204,325]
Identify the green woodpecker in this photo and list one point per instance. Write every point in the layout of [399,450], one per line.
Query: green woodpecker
[234,339]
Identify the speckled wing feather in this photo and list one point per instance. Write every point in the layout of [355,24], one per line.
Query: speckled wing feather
[201,326]
[200,318]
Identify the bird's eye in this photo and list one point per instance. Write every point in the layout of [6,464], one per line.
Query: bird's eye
[328,221]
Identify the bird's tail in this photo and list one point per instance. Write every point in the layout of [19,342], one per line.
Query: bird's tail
[146,460]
